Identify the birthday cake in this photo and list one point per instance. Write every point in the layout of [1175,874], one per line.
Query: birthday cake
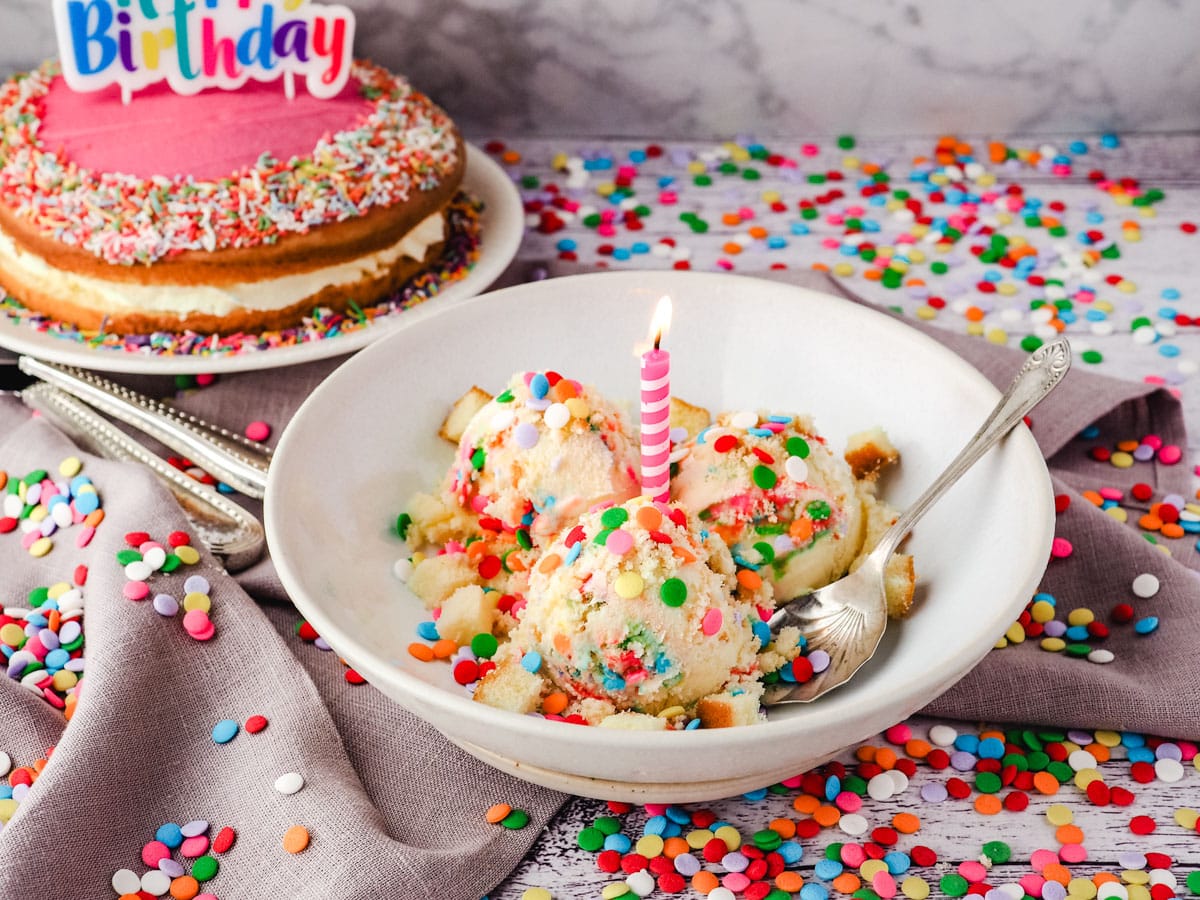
[229,204]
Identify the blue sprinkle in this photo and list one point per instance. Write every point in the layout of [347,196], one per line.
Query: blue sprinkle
[614,683]
[619,842]
[566,244]
[833,787]
[662,664]
[692,725]
[1077,147]
[967,742]
[655,825]
[539,385]
[573,553]
[169,834]
[991,748]
[1094,218]
[700,438]
[760,794]
[828,869]
[993,276]
[223,732]
[639,247]
[762,631]
[1132,739]
[798,228]
[775,242]
[760,432]
[5,792]
[678,815]
[786,674]
[779,420]
[1170,294]
[621,253]
[1095,315]
[1141,754]
[427,631]
[1111,141]
[815,891]
[897,862]
[870,224]
[1043,596]
[1168,350]
[791,852]
[87,502]
[531,661]
[1146,625]
[666,181]
[1077,633]
[637,156]
[1167,312]
[57,658]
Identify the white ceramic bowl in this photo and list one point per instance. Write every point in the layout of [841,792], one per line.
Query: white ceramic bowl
[366,440]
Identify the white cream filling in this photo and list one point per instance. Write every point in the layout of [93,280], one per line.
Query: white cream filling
[219,300]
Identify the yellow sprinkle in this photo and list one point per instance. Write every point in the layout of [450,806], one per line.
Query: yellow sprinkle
[919,231]
[1118,513]
[12,634]
[1058,814]
[1053,644]
[196,600]
[1004,218]
[1000,644]
[915,888]
[1108,738]
[997,336]
[1122,199]
[38,513]
[1125,286]
[64,680]
[188,555]
[1187,818]
[987,179]
[869,869]
[739,154]
[1133,235]
[1070,746]
[86,489]
[1042,611]
[1082,616]
[41,547]
[1007,288]
[70,467]
[537,893]
[577,407]
[559,162]
[417,558]
[939,178]
[629,585]
[730,835]
[1103,305]
[7,808]
[1135,877]
[975,329]
[698,838]
[1084,777]
[1015,633]
[671,712]
[605,189]
[695,167]
[850,162]
[898,265]
[771,196]
[57,590]
[1121,459]
[916,256]
[843,269]
[649,846]
[1148,212]
[615,889]
[1083,888]
[926,313]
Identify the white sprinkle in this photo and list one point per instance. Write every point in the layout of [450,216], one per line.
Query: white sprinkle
[502,419]
[5,763]
[156,882]
[1168,770]
[642,883]
[61,514]
[289,783]
[853,824]
[155,557]
[1101,656]
[1163,876]
[942,735]
[1112,890]
[1081,759]
[1145,585]
[556,416]
[126,881]
[899,781]
[744,419]
[797,469]
[403,569]
[138,570]
[880,787]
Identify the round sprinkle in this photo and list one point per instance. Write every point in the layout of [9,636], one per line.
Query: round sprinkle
[165,605]
[712,622]
[125,881]
[614,517]
[224,731]
[796,469]
[289,783]
[205,868]
[169,834]
[497,812]
[629,585]
[156,882]
[673,592]
[526,436]
[764,477]
[255,724]
[1146,625]
[619,542]
[556,415]
[224,840]
[258,431]
[484,645]
[1145,585]
[295,839]
[515,820]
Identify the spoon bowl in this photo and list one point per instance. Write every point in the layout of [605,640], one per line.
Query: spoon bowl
[847,619]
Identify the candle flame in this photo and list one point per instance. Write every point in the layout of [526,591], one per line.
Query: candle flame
[660,324]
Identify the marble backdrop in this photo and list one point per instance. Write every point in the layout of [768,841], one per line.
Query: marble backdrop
[721,68]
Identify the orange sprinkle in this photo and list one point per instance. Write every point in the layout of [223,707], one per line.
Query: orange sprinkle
[847,883]
[1105,878]
[649,518]
[731,218]
[872,275]
[563,390]
[827,817]
[789,881]
[1150,522]
[885,758]
[549,563]
[683,553]
[1096,500]
[704,881]
[785,828]
[870,168]
[674,846]
[997,152]
[732,248]
[1055,871]
[497,812]
[758,232]
[906,823]
[94,518]
[477,549]
[39,765]
[1102,753]
[806,804]
[510,157]
[998,735]
[54,620]
[988,804]
[749,579]
[444,648]
[185,887]
[295,839]
[1069,834]
[562,644]
[802,529]
[555,703]
[917,748]
[1127,446]
[915,282]
[822,267]
[1171,530]
[728,533]
[973,314]
[1045,783]
[865,753]
[423,652]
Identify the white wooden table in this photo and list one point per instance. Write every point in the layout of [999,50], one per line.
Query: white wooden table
[1160,256]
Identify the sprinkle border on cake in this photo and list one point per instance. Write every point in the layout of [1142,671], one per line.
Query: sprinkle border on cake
[406,144]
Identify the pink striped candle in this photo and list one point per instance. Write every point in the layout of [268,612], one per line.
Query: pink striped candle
[656,409]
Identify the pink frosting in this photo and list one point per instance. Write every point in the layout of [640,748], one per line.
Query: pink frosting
[209,135]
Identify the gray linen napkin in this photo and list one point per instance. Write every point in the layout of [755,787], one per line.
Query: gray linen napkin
[393,809]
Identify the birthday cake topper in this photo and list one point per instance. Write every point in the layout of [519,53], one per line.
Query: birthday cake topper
[197,44]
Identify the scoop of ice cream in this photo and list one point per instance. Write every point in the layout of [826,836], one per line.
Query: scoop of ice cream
[777,495]
[540,453]
[637,605]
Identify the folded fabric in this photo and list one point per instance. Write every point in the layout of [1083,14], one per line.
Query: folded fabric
[391,808]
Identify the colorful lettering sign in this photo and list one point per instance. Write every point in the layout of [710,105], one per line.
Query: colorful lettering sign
[197,44]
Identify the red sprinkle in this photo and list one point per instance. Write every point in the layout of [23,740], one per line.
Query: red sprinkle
[725,443]
[1142,825]
[255,724]
[224,840]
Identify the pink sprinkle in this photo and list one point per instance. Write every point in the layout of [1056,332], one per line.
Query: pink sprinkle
[656,809]
[1061,548]
[1169,455]
[848,802]
[725,264]
[205,379]
[194,846]
[85,536]
[736,882]
[884,884]
[154,853]
[1032,884]
[898,734]
[1152,440]
[1039,859]
[712,621]
[853,855]
[606,230]
[148,546]
[1073,853]
[1109,493]
[973,870]
[258,431]
[810,149]
[196,620]
[136,590]
[619,542]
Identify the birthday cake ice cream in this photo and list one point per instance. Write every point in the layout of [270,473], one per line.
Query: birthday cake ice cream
[221,210]
[637,607]
[773,489]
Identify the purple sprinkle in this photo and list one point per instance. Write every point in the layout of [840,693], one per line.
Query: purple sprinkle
[1055,628]
[734,862]
[170,867]
[321,644]
[196,584]
[1143,453]
[70,630]
[1131,859]
[18,662]
[996,894]
[49,638]
[1168,751]
[934,792]
[526,435]
[1052,890]
[962,760]
[783,544]
[19,792]
[819,660]
[74,665]
[1082,738]
[687,865]
[1175,500]
[165,605]
[195,828]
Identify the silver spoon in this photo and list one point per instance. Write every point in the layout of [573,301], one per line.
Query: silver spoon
[847,619]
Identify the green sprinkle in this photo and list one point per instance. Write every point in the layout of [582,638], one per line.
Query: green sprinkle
[517,819]
[506,397]
[673,592]
[171,563]
[997,851]
[798,446]
[402,522]
[1193,881]
[953,885]
[38,596]
[751,174]
[809,212]
[523,539]
[601,537]
[1030,342]
[818,510]
[590,839]
[607,824]
[766,551]
[767,840]
[484,645]
[846,141]
[478,458]
[205,868]
[834,852]
[125,557]
[987,782]
[702,180]
[764,477]
[614,517]
[1091,356]
[37,476]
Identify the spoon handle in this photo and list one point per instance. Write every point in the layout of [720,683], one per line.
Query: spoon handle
[1042,372]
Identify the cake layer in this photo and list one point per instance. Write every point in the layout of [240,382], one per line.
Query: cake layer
[272,302]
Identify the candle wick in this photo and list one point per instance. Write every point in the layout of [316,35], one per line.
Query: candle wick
[657,339]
